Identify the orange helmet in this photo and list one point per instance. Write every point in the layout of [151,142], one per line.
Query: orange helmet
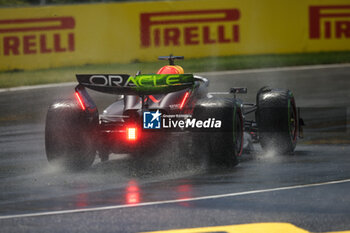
[171,70]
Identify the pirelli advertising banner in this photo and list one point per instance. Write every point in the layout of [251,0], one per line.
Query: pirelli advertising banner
[52,36]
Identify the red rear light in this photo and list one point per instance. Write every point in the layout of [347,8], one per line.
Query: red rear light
[131,133]
[80,100]
[184,100]
[153,99]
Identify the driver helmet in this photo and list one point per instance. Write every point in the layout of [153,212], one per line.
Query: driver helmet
[171,70]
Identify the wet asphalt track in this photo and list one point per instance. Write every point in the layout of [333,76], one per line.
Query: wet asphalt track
[29,185]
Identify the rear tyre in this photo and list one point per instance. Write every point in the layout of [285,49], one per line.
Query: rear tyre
[277,120]
[225,146]
[69,135]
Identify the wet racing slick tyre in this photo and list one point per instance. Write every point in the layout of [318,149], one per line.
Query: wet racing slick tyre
[69,135]
[277,120]
[223,146]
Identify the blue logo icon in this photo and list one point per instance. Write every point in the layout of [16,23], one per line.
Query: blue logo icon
[151,120]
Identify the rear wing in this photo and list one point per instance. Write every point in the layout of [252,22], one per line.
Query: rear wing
[145,84]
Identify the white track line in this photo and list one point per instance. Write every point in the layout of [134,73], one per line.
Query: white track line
[228,72]
[172,201]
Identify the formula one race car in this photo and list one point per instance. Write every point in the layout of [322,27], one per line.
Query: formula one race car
[163,109]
